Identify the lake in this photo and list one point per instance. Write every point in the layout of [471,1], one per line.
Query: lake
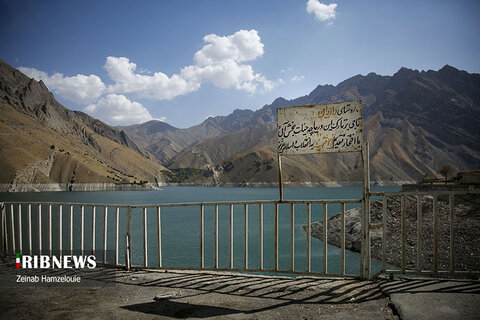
[180,225]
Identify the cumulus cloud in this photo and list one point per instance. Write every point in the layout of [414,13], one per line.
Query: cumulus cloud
[222,61]
[80,88]
[119,110]
[241,46]
[219,61]
[322,12]
[297,78]
[157,86]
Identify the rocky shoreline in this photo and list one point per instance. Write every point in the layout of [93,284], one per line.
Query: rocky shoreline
[47,187]
[466,232]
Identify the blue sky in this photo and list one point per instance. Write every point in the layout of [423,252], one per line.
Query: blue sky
[126,62]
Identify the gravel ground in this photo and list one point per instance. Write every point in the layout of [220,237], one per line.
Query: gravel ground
[147,294]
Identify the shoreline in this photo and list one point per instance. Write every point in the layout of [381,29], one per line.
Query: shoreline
[51,187]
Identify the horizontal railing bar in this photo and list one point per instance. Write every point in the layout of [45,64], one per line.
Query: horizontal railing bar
[252,270]
[425,193]
[186,204]
[430,272]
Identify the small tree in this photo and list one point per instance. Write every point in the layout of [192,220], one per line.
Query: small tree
[445,171]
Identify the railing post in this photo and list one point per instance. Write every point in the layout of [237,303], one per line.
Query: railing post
[309,237]
[292,237]
[159,237]
[128,240]
[3,220]
[202,260]
[145,238]
[105,227]
[245,236]
[365,219]
[215,233]
[260,235]
[231,253]
[20,242]
[325,239]
[342,240]
[403,226]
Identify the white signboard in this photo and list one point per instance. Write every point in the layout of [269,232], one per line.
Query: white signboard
[324,128]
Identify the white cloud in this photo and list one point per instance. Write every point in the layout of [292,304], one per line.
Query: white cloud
[241,46]
[297,78]
[119,110]
[159,86]
[219,61]
[80,88]
[321,11]
[222,61]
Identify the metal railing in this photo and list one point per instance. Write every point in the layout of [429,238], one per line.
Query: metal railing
[417,247]
[13,227]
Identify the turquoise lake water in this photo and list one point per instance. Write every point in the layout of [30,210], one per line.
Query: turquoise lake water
[181,225]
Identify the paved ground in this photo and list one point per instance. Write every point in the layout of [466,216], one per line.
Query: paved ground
[111,293]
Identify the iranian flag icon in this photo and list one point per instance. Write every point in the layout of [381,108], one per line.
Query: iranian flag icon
[18,261]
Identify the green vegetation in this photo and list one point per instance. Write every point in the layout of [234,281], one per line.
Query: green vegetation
[183,174]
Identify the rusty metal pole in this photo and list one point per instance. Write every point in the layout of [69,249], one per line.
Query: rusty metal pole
[365,219]
[280,183]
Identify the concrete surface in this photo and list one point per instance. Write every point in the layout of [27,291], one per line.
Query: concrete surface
[148,294]
[433,298]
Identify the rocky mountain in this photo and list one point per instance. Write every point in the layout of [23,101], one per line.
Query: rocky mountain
[415,122]
[42,142]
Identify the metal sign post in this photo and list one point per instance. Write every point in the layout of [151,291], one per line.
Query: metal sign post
[327,128]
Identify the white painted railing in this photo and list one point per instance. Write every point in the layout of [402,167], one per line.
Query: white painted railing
[13,226]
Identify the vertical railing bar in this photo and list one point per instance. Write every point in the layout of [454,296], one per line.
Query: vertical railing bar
[93,229]
[105,230]
[276,238]
[128,240]
[12,225]
[403,231]
[419,233]
[452,232]
[292,237]
[60,230]
[2,223]
[5,226]
[145,240]
[384,234]
[117,222]
[82,228]
[71,229]
[20,244]
[202,262]
[435,234]
[260,234]
[215,232]
[342,239]
[30,249]
[245,236]
[50,230]
[231,236]
[309,236]
[325,239]
[39,229]
[362,233]
[159,237]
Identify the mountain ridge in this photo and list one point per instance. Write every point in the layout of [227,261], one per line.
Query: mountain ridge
[430,117]
[42,142]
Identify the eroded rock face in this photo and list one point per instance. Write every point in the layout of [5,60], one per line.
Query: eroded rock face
[41,141]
